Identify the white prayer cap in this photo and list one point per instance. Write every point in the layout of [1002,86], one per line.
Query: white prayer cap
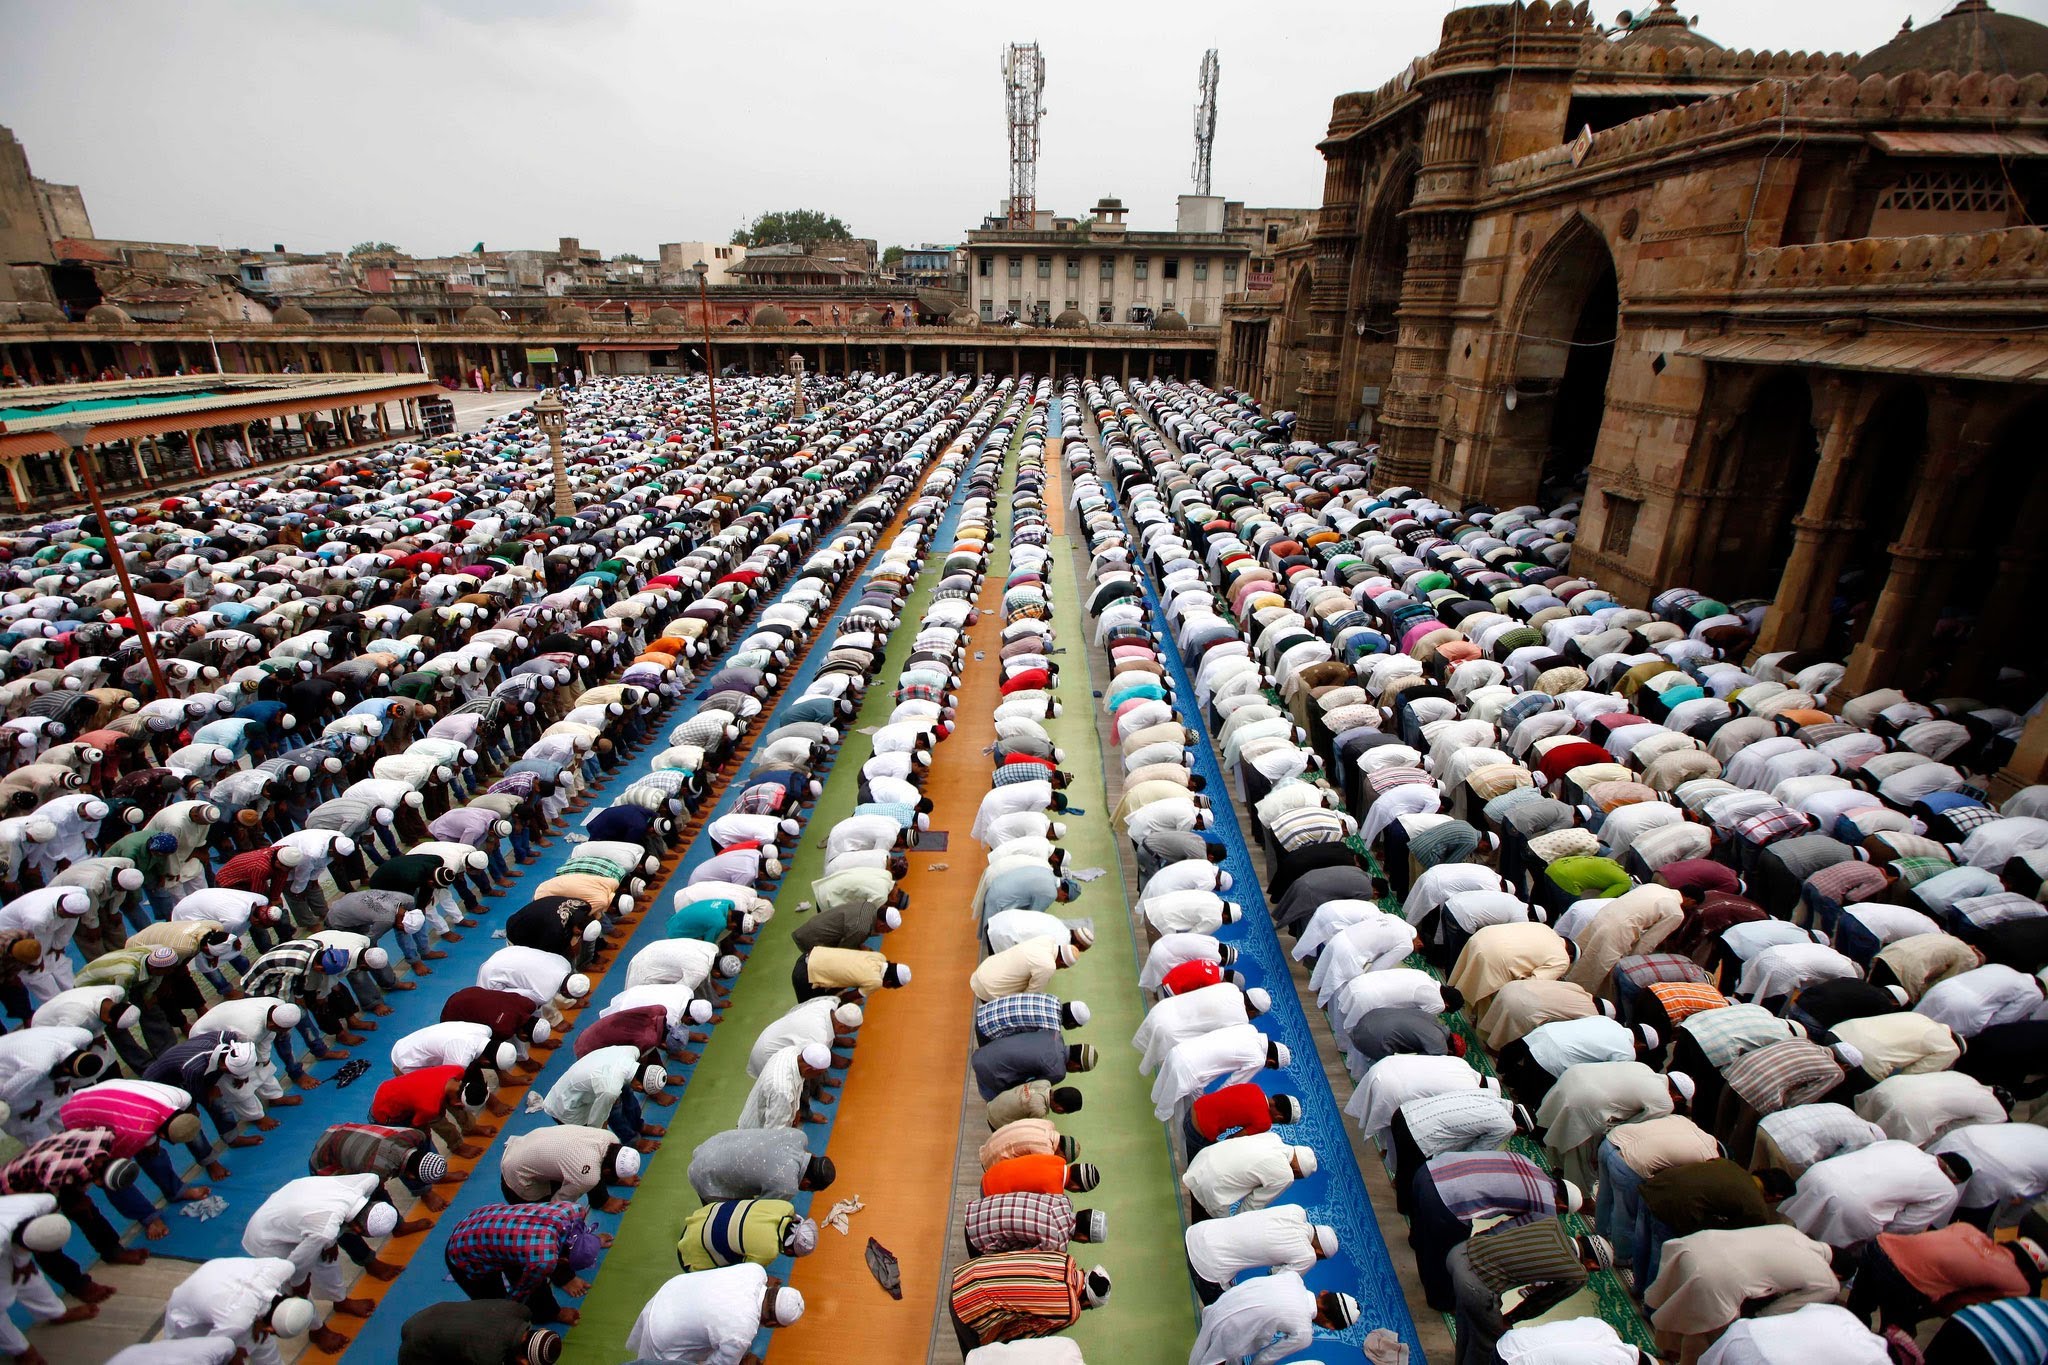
[815,1057]
[789,1305]
[848,1015]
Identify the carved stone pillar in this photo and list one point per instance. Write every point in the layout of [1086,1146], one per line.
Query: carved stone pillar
[1798,618]
[1924,555]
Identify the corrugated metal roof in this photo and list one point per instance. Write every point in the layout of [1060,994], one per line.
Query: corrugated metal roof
[1960,144]
[1949,356]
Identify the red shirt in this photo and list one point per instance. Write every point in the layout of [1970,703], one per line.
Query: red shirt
[1028,680]
[1192,976]
[1036,1173]
[1243,1106]
[413,1100]
[1566,757]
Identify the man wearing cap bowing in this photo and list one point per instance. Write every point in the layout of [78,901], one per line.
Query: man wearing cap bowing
[1452,1192]
[754,1163]
[825,1020]
[1237,1052]
[1009,928]
[1268,1319]
[788,1081]
[568,1161]
[727,1232]
[1279,1237]
[713,1316]
[404,1154]
[30,1226]
[829,971]
[1021,1295]
[604,1088]
[245,1299]
[1532,1064]
[1030,1221]
[309,1222]
[469,1046]
[1019,1057]
[1027,966]
[1177,1018]
[1022,884]
[1247,1172]
[436,1098]
[525,1252]
[481,1332]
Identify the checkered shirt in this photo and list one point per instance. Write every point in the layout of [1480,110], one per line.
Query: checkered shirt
[524,1242]
[1781,823]
[1031,1012]
[73,1158]
[1020,1222]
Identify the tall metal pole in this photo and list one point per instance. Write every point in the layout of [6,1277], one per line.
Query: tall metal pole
[710,362]
[72,436]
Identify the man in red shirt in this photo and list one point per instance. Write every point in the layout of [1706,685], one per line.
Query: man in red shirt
[1196,973]
[1236,1111]
[435,1097]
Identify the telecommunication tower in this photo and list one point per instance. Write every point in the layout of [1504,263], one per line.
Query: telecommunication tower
[1024,86]
[1205,122]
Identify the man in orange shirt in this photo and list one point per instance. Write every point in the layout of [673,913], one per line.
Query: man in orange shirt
[1907,1278]
[1039,1173]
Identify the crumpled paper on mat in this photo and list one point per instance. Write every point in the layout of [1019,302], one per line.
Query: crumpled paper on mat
[207,1209]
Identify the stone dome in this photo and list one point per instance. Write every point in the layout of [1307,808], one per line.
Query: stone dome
[291,315]
[382,315]
[107,315]
[1070,317]
[1169,320]
[1663,27]
[204,310]
[477,315]
[1970,37]
[575,315]
[768,315]
[666,316]
[867,317]
[37,311]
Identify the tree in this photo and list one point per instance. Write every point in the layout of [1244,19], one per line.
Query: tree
[629,256]
[791,225]
[374,249]
[892,256]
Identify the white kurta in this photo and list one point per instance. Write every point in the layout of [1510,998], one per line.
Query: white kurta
[301,1221]
[1886,1187]
[1266,1319]
[224,1297]
[777,1096]
[591,1086]
[707,1318]
[1237,1053]
[687,961]
[810,1022]
[1180,1017]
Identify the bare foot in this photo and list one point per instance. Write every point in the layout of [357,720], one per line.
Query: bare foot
[328,1340]
[95,1292]
[468,1149]
[267,1123]
[76,1313]
[136,1255]
[646,1146]
[380,1010]
[217,1170]
[292,1101]
[243,1140]
[434,954]
[352,1039]
[436,1202]
[653,1130]
[612,1205]
[664,1099]
[404,986]
[156,1229]
[568,1317]
[453,1178]
[354,1308]
[413,1226]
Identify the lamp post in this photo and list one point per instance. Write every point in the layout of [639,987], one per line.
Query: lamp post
[710,362]
[72,436]
[553,417]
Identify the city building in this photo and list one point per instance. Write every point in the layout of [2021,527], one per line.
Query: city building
[1773,316]
[929,266]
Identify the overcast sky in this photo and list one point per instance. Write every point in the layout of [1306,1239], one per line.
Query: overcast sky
[433,123]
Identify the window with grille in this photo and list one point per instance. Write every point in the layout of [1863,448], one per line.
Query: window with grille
[1621,523]
[1981,191]
[1108,267]
[1073,268]
[1141,268]
[1016,265]
[1045,267]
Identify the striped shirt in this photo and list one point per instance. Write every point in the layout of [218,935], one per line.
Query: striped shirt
[1647,969]
[1540,1253]
[1727,1033]
[1475,1185]
[2011,1331]
[1030,1012]
[1781,1075]
[1013,1295]
[1684,999]
[1020,1222]
[1458,1121]
[735,1230]
[365,1149]
[1810,1133]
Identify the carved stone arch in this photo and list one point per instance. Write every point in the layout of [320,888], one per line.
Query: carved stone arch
[1557,346]
[1382,258]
